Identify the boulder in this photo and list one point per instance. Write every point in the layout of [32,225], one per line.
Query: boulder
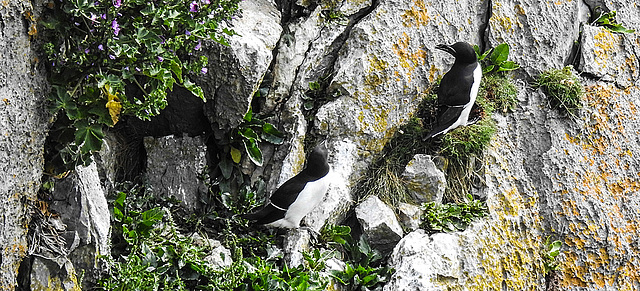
[422,262]
[379,223]
[426,183]
[609,56]
[410,216]
[238,69]
[174,165]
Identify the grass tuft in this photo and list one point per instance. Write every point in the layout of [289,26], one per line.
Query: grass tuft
[563,88]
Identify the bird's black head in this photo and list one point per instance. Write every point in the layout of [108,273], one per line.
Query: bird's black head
[317,164]
[462,51]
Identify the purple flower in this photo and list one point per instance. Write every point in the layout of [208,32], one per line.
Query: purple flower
[193,7]
[160,59]
[86,51]
[104,16]
[206,2]
[112,57]
[100,47]
[115,26]
[204,71]
[198,46]
[138,69]
[117,3]
[187,32]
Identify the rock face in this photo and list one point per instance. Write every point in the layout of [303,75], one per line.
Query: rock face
[425,181]
[173,167]
[370,63]
[237,70]
[23,127]
[379,223]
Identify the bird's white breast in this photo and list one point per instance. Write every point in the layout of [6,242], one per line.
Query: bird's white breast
[307,200]
[464,116]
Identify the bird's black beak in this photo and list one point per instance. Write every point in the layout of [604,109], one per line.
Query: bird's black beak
[446,48]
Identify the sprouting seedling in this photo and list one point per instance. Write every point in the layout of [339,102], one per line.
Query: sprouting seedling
[495,59]
[550,254]
[608,21]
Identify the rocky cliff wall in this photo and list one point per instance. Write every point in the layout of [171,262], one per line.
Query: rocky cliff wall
[23,127]
[547,175]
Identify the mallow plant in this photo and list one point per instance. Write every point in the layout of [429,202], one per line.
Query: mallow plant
[107,58]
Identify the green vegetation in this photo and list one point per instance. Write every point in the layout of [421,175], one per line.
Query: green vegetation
[363,265]
[497,59]
[452,216]
[608,21]
[497,92]
[563,88]
[108,58]
[552,250]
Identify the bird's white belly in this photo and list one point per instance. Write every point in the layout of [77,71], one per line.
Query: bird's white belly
[307,200]
[464,116]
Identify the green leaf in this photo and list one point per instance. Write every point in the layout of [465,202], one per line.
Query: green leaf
[248,133]
[249,115]
[194,89]
[508,66]
[151,216]
[88,136]
[236,155]
[176,68]
[488,69]
[226,167]
[500,54]
[255,154]
[271,134]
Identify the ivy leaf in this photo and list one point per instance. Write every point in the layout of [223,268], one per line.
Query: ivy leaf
[255,154]
[88,136]
[500,54]
[194,89]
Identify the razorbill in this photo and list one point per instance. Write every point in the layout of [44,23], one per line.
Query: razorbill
[297,196]
[458,89]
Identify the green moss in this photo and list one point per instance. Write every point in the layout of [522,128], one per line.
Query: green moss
[563,88]
[497,92]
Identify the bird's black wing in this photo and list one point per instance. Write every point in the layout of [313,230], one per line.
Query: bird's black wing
[448,115]
[454,89]
[266,214]
[287,193]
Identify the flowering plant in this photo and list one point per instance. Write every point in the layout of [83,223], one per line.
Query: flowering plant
[101,50]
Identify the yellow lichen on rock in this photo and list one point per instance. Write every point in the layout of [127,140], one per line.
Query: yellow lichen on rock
[417,16]
[408,57]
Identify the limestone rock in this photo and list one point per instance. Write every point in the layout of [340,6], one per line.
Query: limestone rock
[24,122]
[422,261]
[410,216]
[173,167]
[609,56]
[241,66]
[426,183]
[379,223]
[541,35]
[296,243]
[84,220]
[46,275]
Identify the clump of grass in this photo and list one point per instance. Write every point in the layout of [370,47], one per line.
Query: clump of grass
[563,88]
[497,92]
[463,148]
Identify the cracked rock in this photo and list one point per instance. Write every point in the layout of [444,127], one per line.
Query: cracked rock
[426,183]
[379,223]
[173,167]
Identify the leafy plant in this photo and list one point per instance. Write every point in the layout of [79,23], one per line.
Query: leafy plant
[495,59]
[248,136]
[563,88]
[497,92]
[608,21]
[363,268]
[108,58]
[452,217]
[552,250]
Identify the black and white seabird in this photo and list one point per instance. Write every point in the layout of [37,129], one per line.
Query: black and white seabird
[297,196]
[458,88]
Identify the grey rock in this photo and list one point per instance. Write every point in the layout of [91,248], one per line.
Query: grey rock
[24,122]
[424,262]
[241,66]
[609,56]
[410,216]
[541,35]
[426,183]
[173,167]
[297,242]
[379,223]
[81,203]
[46,275]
